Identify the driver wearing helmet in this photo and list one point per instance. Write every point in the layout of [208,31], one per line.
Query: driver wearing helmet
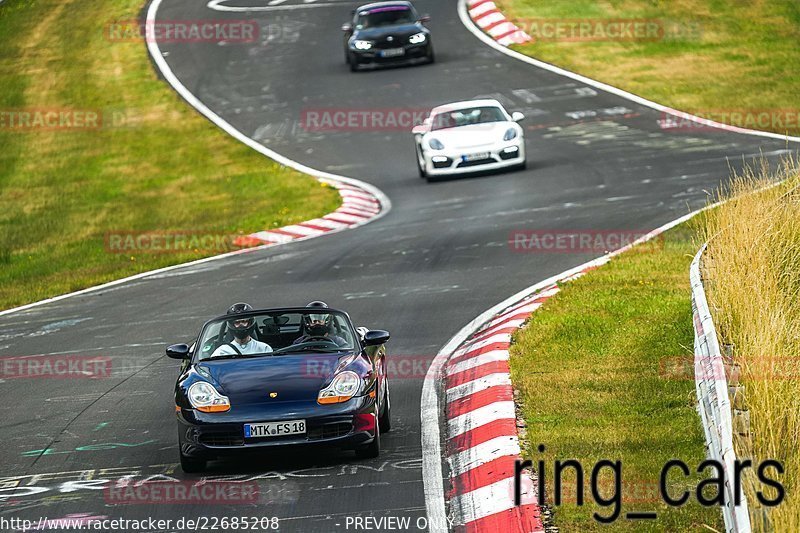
[319,326]
[241,328]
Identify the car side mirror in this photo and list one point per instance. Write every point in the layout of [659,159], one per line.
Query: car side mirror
[419,129]
[516,116]
[425,18]
[178,351]
[376,337]
[347,27]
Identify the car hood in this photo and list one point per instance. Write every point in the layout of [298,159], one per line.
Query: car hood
[472,136]
[402,31]
[290,377]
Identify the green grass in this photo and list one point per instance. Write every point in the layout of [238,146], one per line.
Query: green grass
[716,56]
[161,168]
[594,368]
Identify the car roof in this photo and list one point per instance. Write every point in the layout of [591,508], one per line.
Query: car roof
[399,3]
[485,102]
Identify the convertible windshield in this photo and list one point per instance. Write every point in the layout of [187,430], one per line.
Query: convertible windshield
[385,16]
[467,117]
[275,333]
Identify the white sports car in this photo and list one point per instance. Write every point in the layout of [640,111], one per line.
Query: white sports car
[471,136]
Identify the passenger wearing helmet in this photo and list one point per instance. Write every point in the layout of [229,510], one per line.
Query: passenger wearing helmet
[241,328]
[319,326]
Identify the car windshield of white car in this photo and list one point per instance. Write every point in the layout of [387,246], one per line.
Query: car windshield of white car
[283,332]
[385,16]
[466,117]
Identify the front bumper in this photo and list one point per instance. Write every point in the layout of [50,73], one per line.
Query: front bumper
[450,162]
[348,427]
[411,53]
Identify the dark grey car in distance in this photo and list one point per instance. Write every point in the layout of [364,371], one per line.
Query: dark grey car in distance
[387,33]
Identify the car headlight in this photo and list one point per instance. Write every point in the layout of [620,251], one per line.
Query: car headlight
[204,397]
[362,45]
[511,133]
[436,144]
[344,386]
[417,38]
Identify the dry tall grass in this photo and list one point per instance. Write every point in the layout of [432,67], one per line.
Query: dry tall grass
[753,264]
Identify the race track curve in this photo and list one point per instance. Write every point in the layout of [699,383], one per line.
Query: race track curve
[437,260]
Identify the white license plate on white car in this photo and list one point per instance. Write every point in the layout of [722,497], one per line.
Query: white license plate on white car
[393,52]
[475,157]
[275,429]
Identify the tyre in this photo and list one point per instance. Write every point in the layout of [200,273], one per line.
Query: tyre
[385,421]
[522,166]
[373,449]
[431,57]
[420,165]
[191,465]
[353,62]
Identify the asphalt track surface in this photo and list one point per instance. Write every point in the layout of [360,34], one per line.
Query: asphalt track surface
[437,260]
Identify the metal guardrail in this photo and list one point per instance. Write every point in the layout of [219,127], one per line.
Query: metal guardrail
[713,401]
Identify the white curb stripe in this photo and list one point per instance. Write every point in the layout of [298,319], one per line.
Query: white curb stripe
[484,452]
[491,499]
[480,417]
[478,360]
[481,384]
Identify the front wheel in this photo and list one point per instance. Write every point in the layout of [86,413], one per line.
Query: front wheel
[191,465]
[421,164]
[431,57]
[373,449]
[353,62]
[385,420]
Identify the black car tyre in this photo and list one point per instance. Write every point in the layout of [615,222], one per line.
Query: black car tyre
[190,465]
[522,166]
[353,62]
[373,449]
[385,420]
[431,57]
[420,165]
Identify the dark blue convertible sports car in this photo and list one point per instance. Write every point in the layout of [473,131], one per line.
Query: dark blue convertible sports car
[255,379]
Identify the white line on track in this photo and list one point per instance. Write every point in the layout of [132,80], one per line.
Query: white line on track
[191,99]
[463,14]
[430,403]
[275,5]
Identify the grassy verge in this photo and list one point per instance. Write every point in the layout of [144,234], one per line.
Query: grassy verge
[753,264]
[595,371]
[156,167]
[714,57]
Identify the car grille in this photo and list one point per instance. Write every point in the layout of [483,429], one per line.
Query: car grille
[384,43]
[476,162]
[330,431]
[222,439]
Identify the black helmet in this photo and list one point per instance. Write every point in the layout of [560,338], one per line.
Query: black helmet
[318,324]
[241,328]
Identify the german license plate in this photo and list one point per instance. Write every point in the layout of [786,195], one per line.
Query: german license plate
[475,157]
[275,429]
[393,52]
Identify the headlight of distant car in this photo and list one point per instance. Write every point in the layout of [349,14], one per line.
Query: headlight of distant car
[511,133]
[362,45]
[417,38]
[204,397]
[344,386]
[436,144]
